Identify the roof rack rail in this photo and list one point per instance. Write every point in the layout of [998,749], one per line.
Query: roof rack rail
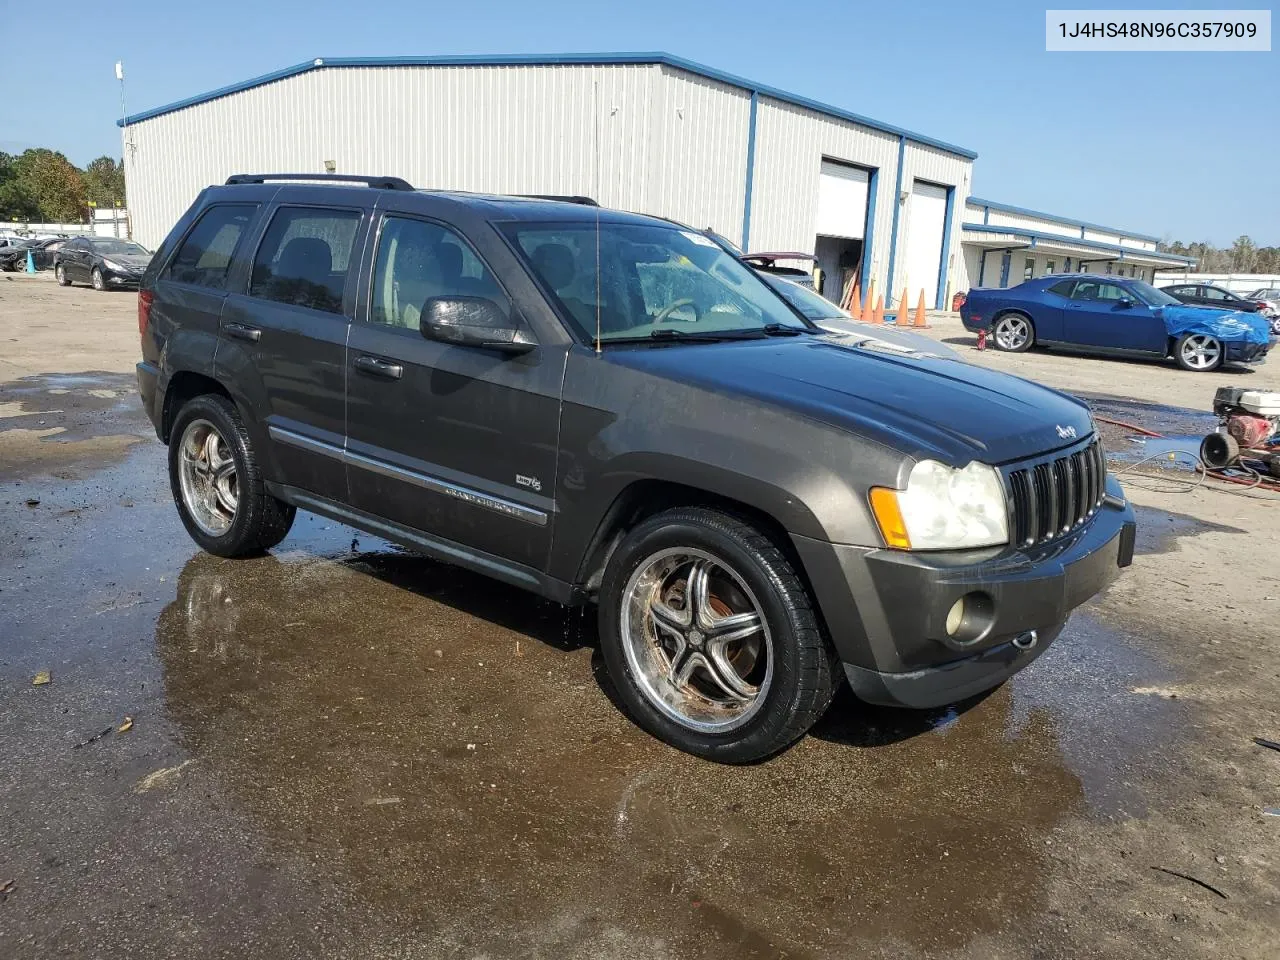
[377,183]
[584,201]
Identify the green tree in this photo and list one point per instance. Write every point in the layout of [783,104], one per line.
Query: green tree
[1244,255]
[54,183]
[104,182]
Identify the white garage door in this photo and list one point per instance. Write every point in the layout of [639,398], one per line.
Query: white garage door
[842,201]
[926,223]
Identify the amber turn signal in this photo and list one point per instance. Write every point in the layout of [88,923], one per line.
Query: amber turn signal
[884,504]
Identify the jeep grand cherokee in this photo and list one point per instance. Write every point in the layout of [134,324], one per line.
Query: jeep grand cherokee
[606,408]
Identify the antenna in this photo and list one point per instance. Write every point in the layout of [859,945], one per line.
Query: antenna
[595,97]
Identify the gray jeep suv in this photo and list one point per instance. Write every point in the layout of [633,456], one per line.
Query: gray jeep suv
[606,408]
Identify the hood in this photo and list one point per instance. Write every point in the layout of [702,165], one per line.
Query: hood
[921,405]
[134,261]
[1225,325]
[888,334]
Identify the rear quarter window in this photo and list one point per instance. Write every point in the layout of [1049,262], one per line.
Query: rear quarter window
[206,254]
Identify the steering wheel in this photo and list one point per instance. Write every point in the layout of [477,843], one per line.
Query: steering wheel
[672,307]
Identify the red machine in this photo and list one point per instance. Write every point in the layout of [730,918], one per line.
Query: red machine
[1249,425]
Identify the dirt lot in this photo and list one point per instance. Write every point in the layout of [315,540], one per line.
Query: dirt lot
[345,750]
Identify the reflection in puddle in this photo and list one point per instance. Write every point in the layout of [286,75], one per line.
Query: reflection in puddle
[313,687]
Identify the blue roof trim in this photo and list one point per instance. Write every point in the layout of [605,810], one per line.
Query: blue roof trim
[1073,241]
[1009,208]
[539,59]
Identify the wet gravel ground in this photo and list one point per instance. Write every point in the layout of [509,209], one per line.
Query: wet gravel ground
[343,749]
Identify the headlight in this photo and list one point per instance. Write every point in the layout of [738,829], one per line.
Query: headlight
[112,265]
[943,508]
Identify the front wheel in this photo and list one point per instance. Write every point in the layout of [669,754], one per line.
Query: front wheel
[216,482]
[98,283]
[60,272]
[1013,332]
[1275,325]
[1198,352]
[711,639]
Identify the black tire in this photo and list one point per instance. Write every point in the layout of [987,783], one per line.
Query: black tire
[1012,321]
[804,668]
[1191,352]
[61,273]
[260,521]
[96,279]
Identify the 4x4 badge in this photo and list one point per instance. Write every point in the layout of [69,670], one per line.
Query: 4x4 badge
[1066,433]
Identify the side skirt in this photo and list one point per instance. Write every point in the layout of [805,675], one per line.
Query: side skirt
[437,548]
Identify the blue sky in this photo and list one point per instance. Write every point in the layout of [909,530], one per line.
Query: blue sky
[1186,145]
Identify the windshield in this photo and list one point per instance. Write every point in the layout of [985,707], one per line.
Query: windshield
[809,302]
[652,281]
[1151,296]
[120,248]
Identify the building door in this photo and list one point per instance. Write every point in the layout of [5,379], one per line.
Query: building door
[926,225]
[841,225]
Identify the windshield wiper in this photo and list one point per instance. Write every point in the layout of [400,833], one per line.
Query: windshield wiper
[785,330]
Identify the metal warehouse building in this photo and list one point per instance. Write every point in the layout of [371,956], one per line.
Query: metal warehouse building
[1005,245]
[650,133]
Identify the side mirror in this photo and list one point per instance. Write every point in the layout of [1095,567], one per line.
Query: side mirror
[472,322]
[1124,303]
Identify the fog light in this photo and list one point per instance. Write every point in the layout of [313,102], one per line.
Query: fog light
[970,618]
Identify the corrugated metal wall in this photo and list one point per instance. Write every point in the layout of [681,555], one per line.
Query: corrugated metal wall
[791,142]
[672,143]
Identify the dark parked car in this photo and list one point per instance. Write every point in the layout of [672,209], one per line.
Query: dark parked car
[1114,315]
[104,262]
[603,407]
[1207,295]
[43,253]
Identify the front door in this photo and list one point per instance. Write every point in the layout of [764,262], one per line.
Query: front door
[458,442]
[284,340]
[1102,314]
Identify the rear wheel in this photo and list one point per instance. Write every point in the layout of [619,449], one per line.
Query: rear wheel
[61,273]
[711,639]
[1013,332]
[98,282]
[1199,352]
[216,483]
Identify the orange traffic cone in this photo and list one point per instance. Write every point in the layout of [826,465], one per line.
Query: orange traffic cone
[878,315]
[868,310]
[854,305]
[900,318]
[920,323]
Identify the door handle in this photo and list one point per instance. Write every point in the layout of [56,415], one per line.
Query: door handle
[377,367]
[243,332]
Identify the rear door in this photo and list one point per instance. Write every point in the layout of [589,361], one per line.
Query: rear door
[283,339]
[1107,315]
[456,441]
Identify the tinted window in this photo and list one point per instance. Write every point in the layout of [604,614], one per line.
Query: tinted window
[418,261]
[1096,290]
[649,278]
[118,248]
[1062,288]
[205,256]
[1213,293]
[304,256]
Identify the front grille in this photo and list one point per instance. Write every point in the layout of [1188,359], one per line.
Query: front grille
[1054,496]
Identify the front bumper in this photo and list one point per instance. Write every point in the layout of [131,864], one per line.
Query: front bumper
[1240,352]
[116,278]
[886,609]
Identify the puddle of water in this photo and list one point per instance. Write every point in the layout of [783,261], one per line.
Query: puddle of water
[1171,453]
[312,683]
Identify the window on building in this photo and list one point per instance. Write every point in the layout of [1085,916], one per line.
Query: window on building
[1050,266]
[1028,268]
[1066,266]
[304,256]
[418,261]
[1109,267]
[205,256]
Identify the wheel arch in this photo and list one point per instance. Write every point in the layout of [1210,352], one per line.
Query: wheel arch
[183,386]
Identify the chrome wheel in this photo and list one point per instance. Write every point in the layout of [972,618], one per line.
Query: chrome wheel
[1012,333]
[98,283]
[207,477]
[696,640]
[60,274]
[1199,352]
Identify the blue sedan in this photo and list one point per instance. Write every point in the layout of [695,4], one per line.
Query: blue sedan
[1117,316]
